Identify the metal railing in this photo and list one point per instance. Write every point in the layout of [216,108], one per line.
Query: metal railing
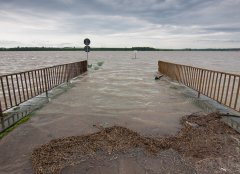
[17,88]
[219,86]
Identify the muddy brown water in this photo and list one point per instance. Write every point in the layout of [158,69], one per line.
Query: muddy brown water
[122,92]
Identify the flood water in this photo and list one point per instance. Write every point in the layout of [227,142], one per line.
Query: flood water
[121,92]
[124,87]
[228,61]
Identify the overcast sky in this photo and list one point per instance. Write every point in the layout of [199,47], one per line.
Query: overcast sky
[120,23]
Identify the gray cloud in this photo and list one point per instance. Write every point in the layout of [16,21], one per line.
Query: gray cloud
[178,23]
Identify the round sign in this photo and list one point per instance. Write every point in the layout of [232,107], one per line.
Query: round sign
[87,49]
[87,41]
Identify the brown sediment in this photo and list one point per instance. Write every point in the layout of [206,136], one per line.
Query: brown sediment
[201,137]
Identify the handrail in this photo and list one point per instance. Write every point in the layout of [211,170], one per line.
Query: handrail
[220,86]
[17,88]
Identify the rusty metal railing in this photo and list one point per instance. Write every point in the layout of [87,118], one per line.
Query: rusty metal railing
[220,86]
[17,88]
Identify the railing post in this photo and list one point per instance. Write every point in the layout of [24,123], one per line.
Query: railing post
[200,84]
[45,80]
[1,117]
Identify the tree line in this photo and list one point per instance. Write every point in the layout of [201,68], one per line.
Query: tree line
[112,49]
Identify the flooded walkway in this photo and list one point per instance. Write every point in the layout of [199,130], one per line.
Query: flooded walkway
[123,94]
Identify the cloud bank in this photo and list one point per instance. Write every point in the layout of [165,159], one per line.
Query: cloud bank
[121,23]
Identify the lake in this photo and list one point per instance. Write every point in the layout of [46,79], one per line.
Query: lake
[228,61]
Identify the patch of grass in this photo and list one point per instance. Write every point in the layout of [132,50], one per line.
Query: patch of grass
[21,121]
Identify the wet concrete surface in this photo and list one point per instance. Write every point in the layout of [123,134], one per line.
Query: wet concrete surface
[134,162]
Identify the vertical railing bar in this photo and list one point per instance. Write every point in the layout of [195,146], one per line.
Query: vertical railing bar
[73,72]
[214,74]
[237,94]
[194,78]
[34,87]
[223,87]
[39,81]
[197,79]
[65,73]
[229,80]
[177,73]
[14,92]
[209,82]
[77,71]
[54,76]
[50,78]
[42,80]
[181,74]
[62,74]
[215,87]
[75,66]
[200,83]
[9,92]
[26,85]
[185,75]
[200,80]
[29,79]
[234,78]
[52,72]
[24,96]
[70,71]
[45,81]
[4,94]
[206,85]
[203,81]
[1,116]
[190,76]
[219,87]
[59,75]
[19,92]
[56,69]
[37,84]
[48,81]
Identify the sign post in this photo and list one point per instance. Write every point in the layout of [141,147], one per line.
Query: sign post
[87,47]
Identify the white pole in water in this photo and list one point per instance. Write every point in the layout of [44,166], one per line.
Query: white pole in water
[87,56]
[135,52]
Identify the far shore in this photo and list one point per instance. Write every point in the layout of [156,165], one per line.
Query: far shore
[113,49]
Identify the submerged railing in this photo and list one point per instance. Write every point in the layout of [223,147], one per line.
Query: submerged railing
[219,86]
[17,88]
